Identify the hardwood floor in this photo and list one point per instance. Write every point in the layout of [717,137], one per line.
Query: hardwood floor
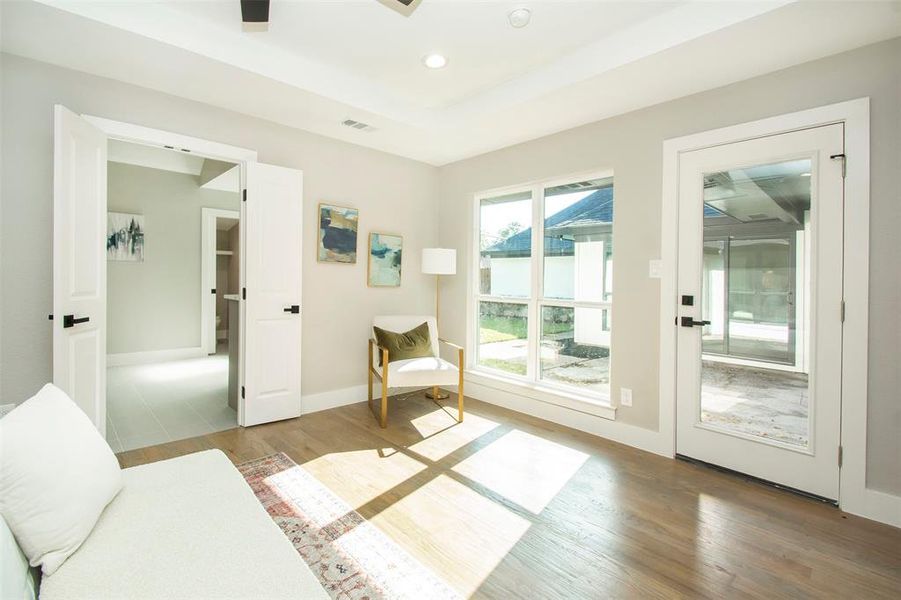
[504,505]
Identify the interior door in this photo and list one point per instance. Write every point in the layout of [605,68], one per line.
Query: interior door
[760,293]
[272,218]
[79,262]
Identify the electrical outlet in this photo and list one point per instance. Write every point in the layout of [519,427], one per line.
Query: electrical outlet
[625,397]
[655,268]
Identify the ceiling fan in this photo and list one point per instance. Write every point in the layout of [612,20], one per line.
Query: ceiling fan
[255,13]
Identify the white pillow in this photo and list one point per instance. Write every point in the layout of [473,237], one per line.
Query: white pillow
[57,474]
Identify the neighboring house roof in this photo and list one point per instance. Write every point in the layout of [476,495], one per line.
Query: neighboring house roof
[590,212]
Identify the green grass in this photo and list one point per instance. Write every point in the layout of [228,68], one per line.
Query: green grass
[500,329]
[503,365]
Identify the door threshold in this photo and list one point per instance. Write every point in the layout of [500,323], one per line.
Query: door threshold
[759,480]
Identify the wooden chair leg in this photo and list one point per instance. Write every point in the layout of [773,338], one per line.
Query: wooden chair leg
[460,389]
[460,399]
[383,419]
[369,375]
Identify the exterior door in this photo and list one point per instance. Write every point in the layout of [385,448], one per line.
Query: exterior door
[79,263]
[272,218]
[760,307]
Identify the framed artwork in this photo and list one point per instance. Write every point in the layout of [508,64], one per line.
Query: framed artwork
[124,237]
[385,259]
[337,234]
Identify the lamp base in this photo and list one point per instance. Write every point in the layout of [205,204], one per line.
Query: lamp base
[441,395]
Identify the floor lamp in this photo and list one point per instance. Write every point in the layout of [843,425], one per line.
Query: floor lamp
[438,262]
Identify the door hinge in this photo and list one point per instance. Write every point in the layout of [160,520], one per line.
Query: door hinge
[842,158]
[244,293]
[244,195]
[242,391]
[840,455]
[843,311]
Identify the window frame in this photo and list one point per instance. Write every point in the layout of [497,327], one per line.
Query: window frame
[536,299]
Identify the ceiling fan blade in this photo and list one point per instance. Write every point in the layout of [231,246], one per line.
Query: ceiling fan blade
[255,15]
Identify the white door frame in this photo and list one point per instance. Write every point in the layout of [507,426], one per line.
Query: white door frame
[138,134]
[208,269]
[855,114]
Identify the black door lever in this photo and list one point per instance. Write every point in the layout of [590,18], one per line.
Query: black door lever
[293,309]
[71,321]
[690,322]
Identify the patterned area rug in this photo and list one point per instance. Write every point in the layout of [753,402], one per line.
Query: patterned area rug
[353,559]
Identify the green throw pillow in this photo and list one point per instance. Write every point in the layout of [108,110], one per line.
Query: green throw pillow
[401,346]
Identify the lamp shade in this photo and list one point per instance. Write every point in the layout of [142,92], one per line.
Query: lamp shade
[439,261]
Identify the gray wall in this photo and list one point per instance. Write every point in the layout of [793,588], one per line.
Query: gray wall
[392,193]
[632,145]
[155,304]
[396,194]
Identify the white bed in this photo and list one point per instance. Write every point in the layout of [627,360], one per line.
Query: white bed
[189,527]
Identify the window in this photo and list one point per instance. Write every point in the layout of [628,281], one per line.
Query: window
[545,286]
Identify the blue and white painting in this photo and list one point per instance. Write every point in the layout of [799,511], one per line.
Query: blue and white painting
[338,234]
[124,237]
[385,254]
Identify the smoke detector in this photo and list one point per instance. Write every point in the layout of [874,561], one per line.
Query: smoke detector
[519,17]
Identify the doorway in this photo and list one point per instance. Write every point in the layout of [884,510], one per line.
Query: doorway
[759,279]
[162,383]
[268,366]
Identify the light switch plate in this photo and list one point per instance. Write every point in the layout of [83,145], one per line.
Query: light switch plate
[625,397]
[655,268]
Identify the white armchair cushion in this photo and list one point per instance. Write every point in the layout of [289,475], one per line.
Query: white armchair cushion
[422,372]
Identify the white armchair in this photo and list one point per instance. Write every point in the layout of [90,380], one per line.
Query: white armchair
[431,371]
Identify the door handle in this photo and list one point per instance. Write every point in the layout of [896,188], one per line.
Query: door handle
[690,322]
[293,309]
[71,321]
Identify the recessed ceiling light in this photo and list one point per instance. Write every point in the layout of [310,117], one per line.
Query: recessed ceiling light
[519,17]
[434,61]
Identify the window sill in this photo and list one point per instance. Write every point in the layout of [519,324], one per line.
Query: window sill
[543,393]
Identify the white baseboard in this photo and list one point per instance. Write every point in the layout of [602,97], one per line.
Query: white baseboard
[637,437]
[154,356]
[311,403]
[875,505]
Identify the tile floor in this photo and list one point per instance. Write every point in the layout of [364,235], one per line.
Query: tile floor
[163,402]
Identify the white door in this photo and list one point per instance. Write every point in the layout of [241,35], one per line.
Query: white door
[760,307]
[79,262]
[272,218]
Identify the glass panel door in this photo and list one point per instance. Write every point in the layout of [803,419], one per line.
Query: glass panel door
[759,330]
[752,219]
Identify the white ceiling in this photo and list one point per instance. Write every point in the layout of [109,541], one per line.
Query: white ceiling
[325,61]
[175,161]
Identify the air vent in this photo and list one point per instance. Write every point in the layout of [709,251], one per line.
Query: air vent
[758,216]
[358,125]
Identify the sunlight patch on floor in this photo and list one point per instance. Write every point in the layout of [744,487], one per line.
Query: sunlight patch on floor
[443,434]
[184,369]
[456,532]
[523,468]
[359,476]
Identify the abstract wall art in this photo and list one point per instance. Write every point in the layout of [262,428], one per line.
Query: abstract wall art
[124,237]
[385,258]
[338,234]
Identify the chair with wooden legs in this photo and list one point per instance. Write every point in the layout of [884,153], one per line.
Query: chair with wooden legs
[431,371]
